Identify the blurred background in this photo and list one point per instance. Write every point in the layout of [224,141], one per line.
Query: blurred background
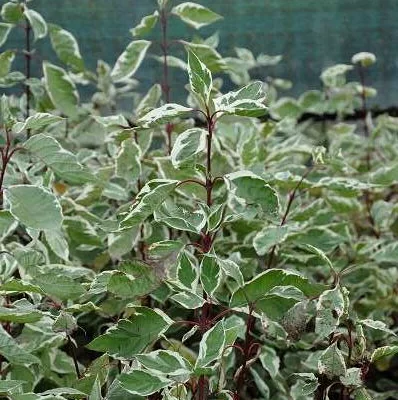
[310,35]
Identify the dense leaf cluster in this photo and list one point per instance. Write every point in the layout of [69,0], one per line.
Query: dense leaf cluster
[192,251]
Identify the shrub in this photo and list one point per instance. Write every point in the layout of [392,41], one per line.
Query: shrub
[240,246]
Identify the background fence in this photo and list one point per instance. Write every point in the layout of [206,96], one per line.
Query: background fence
[310,34]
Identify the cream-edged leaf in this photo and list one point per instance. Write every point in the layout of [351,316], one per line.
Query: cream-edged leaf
[34,206]
[195,14]
[129,61]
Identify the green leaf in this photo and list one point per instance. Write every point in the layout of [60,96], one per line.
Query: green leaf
[335,75]
[68,392]
[385,175]
[14,353]
[62,162]
[150,100]
[98,369]
[35,207]
[341,128]
[146,24]
[10,386]
[255,191]
[230,268]
[134,279]
[165,362]
[344,186]
[247,101]
[281,307]
[6,117]
[313,101]
[331,362]
[165,248]
[180,348]
[61,89]
[322,238]
[163,114]
[58,243]
[364,58]
[187,272]
[262,284]
[210,274]
[200,78]
[261,385]
[61,287]
[120,243]
[187,145]
[100,282]
[195,15]
[188,300]
[37,23]
[294,321]
[173,62]
[270,360]
[95,393]
[65,323]
[207,55]
[143,383]
[330,307]
[180,218]
[211,346]
[19,286]
[129,61]
[66,47]
[20,313]
[128,161]
[12,12]
[81,232]
[377,325]
[352,378]
[148,200]
[5,29]
[112,121]
[285,107]
[7,224]
[306,385]
[37,121]
[6,59]
[362,394]
[29,257]
[82,308]
[387,253]
[130,336]
[269,237]
[321,255]
[189,334]
[385,351]
[216,216]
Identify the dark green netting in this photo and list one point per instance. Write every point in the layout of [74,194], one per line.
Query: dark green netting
[310,34]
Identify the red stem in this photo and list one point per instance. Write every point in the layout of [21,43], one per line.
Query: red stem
[205,320]
[368,202]
[364,111]
[192,180]
[165,84]
[141,243]
[202,387]
[73,351]
[221,314]
[247,351]
[5,158]
[292,196]
[28,58]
